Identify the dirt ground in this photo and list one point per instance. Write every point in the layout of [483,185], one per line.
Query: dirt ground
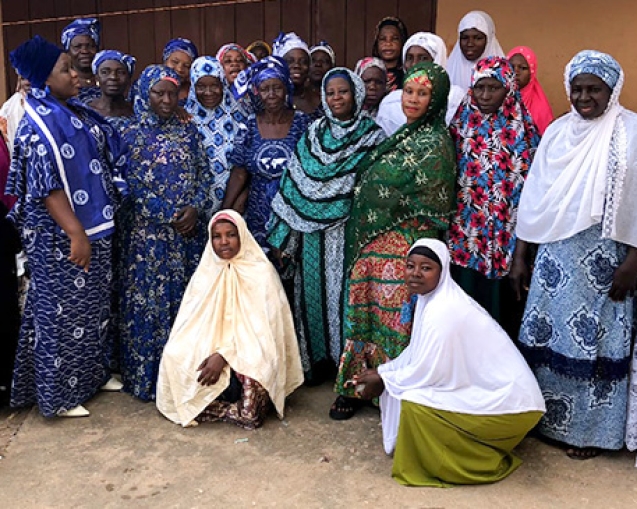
[126,455]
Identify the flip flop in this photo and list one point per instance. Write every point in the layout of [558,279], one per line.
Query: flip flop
[344,408]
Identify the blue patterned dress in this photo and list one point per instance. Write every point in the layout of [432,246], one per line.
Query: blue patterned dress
[167,170]
[265,160]
[578,341]
[63,351]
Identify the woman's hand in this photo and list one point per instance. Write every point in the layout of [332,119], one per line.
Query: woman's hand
[625,277]
[80,250]
[182,115]
[372,382]
[241,201]
[185,220]
[211,369]
[519,275]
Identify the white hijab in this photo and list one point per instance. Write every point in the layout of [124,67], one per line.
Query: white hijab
[458,359]
[579,176]
[390,112]
[459,67]
[239,309]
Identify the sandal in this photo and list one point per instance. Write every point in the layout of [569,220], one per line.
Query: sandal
[582,453]
[344,408]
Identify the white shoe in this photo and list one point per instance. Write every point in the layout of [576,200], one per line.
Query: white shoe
[78,411]
[113,385]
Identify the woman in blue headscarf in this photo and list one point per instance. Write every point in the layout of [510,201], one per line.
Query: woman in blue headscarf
[115,71]
[163,233]
[179,55]
[218,117]
[66,173]
[264,147]
[81,40]
[578,205]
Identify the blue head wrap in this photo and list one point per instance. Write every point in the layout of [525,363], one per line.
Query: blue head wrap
[111,54]
[152,75]
[82,26]
[596,63]
[180,44]
[268,68]
[35,59]
[201,67]
[287,42]
[325,47]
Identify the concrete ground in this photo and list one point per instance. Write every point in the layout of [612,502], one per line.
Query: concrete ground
[126,455]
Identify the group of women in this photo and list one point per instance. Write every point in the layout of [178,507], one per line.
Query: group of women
[226,228]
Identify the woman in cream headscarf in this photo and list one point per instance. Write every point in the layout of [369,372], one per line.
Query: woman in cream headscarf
[232,348]
[476,40]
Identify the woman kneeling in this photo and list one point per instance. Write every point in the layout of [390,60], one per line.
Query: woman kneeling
[232,348]
[460,397]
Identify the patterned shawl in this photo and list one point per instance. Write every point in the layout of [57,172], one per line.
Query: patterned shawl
[494,155]
[410,175]
[316,190]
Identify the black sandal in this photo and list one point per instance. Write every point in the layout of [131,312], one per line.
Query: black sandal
[344,408]
[583,453]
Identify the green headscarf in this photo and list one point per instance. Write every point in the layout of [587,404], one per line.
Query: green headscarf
[410,175]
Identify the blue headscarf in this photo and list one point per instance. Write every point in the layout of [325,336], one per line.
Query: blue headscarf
[152,75]
[596,63]
[249,79]
[111,54]
[180,44]
[82,26]
[35,59]
[285,43]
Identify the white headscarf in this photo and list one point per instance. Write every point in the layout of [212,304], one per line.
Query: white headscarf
[237,308]
[459,67]
[580,175]
[458,360]
[285,43]
[434,45]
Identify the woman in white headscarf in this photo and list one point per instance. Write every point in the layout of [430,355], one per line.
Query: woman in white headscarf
[420,47]
[232,348]
[579,205]
[460,397]
[476,40]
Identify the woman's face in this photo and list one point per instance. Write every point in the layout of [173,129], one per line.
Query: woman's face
[113,78]
[589,95]
[209,91]
[63,80]
[340,98]
[415,100]
[225,239]
[422,274]
[299,63]
[472,44]
[321,63]
[522,70]
[164,97]
[414,55]
[375,86]
[389,44]
[233,63]
[272,94]
[489,94]
[180,62]
[82,50]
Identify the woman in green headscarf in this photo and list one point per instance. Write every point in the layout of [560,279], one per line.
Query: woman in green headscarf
[404,192]
[309,213]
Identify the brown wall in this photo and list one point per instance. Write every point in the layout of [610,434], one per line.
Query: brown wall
[346,24]
[556,30]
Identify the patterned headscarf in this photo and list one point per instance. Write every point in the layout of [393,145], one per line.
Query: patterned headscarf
[389,21]
[109,54]
[501,143]
[358,91]
[152,75]
[285,43]
[180,44]
[325,47]
[248,57]
[365,63]
[249,79]
[35,59]
[438,83]
[596,63]
[82,26]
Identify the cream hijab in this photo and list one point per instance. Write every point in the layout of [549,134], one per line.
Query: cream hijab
[239,309]
[458,359]
[458,67]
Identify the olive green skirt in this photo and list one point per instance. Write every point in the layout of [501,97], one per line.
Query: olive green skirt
[443,449]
